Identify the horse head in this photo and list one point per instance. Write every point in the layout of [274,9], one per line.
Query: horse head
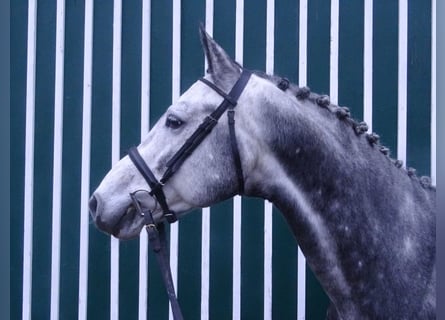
[204,176]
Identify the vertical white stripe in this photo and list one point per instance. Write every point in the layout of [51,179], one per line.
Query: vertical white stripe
[176,91]
[114,279]
[145,124]
[236,290]
[367,63]
[29,160]
[176,51]
[267,260]
[302,81]
[236,268]
[270,36]
[433,92]
[57,160]
[115,149]
[205,228]
[86,149]
[205,264]
[402,80]
[333,74]
[267,309]
[145,66]
[209,17]
[302,47]
[270,46]
[239,31]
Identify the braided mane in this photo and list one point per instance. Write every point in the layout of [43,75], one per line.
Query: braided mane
[344,114]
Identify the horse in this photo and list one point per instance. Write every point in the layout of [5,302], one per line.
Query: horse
[365,222]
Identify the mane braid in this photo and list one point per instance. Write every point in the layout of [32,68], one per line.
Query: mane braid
[343,114]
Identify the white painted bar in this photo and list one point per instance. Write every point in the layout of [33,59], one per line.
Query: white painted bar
[402,80]
[239,31]
[205,227]
[57,160]
[236,263]
[270,36]
[176,92]
[115,148]
[302,81]
[29,160]
[367,63]
[268,230]
[236,268]
[145,124]
[333,66]
[86,155]
[268,219]
[302,46]
[145,67]
[433,90]
[205,264]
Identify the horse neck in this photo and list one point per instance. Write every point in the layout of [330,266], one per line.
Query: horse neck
[331,185]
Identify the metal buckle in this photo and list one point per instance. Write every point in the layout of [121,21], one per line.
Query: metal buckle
[212,119]
[151,226]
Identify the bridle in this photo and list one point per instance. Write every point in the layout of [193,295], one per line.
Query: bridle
[210,121]
[156,230]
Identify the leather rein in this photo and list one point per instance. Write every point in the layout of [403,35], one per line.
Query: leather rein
[156,229]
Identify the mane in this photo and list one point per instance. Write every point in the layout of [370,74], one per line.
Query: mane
[344,114]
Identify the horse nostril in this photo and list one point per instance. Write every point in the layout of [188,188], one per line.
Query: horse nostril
[93,204]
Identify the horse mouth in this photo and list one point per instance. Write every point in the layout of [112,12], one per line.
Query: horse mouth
[129,225]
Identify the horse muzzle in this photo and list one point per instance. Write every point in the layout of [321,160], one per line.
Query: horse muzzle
[123,222]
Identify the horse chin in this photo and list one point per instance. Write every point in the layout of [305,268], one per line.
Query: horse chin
[129,226]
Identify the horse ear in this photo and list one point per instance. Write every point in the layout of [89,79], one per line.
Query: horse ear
[221,67]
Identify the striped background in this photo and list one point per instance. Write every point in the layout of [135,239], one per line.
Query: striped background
[87,79]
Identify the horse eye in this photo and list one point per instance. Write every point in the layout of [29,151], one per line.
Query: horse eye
[173,122]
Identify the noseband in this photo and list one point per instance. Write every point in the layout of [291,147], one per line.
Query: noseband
[210,121]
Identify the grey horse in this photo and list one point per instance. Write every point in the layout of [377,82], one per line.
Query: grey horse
[365,223]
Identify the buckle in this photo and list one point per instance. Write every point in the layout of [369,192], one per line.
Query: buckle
[151,226]
[171,217]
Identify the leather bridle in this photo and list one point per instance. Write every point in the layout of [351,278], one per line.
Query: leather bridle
[156,230]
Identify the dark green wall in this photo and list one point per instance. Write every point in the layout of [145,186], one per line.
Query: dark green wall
[286,64]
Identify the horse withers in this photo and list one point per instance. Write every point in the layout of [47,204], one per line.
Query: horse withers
[365,223]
